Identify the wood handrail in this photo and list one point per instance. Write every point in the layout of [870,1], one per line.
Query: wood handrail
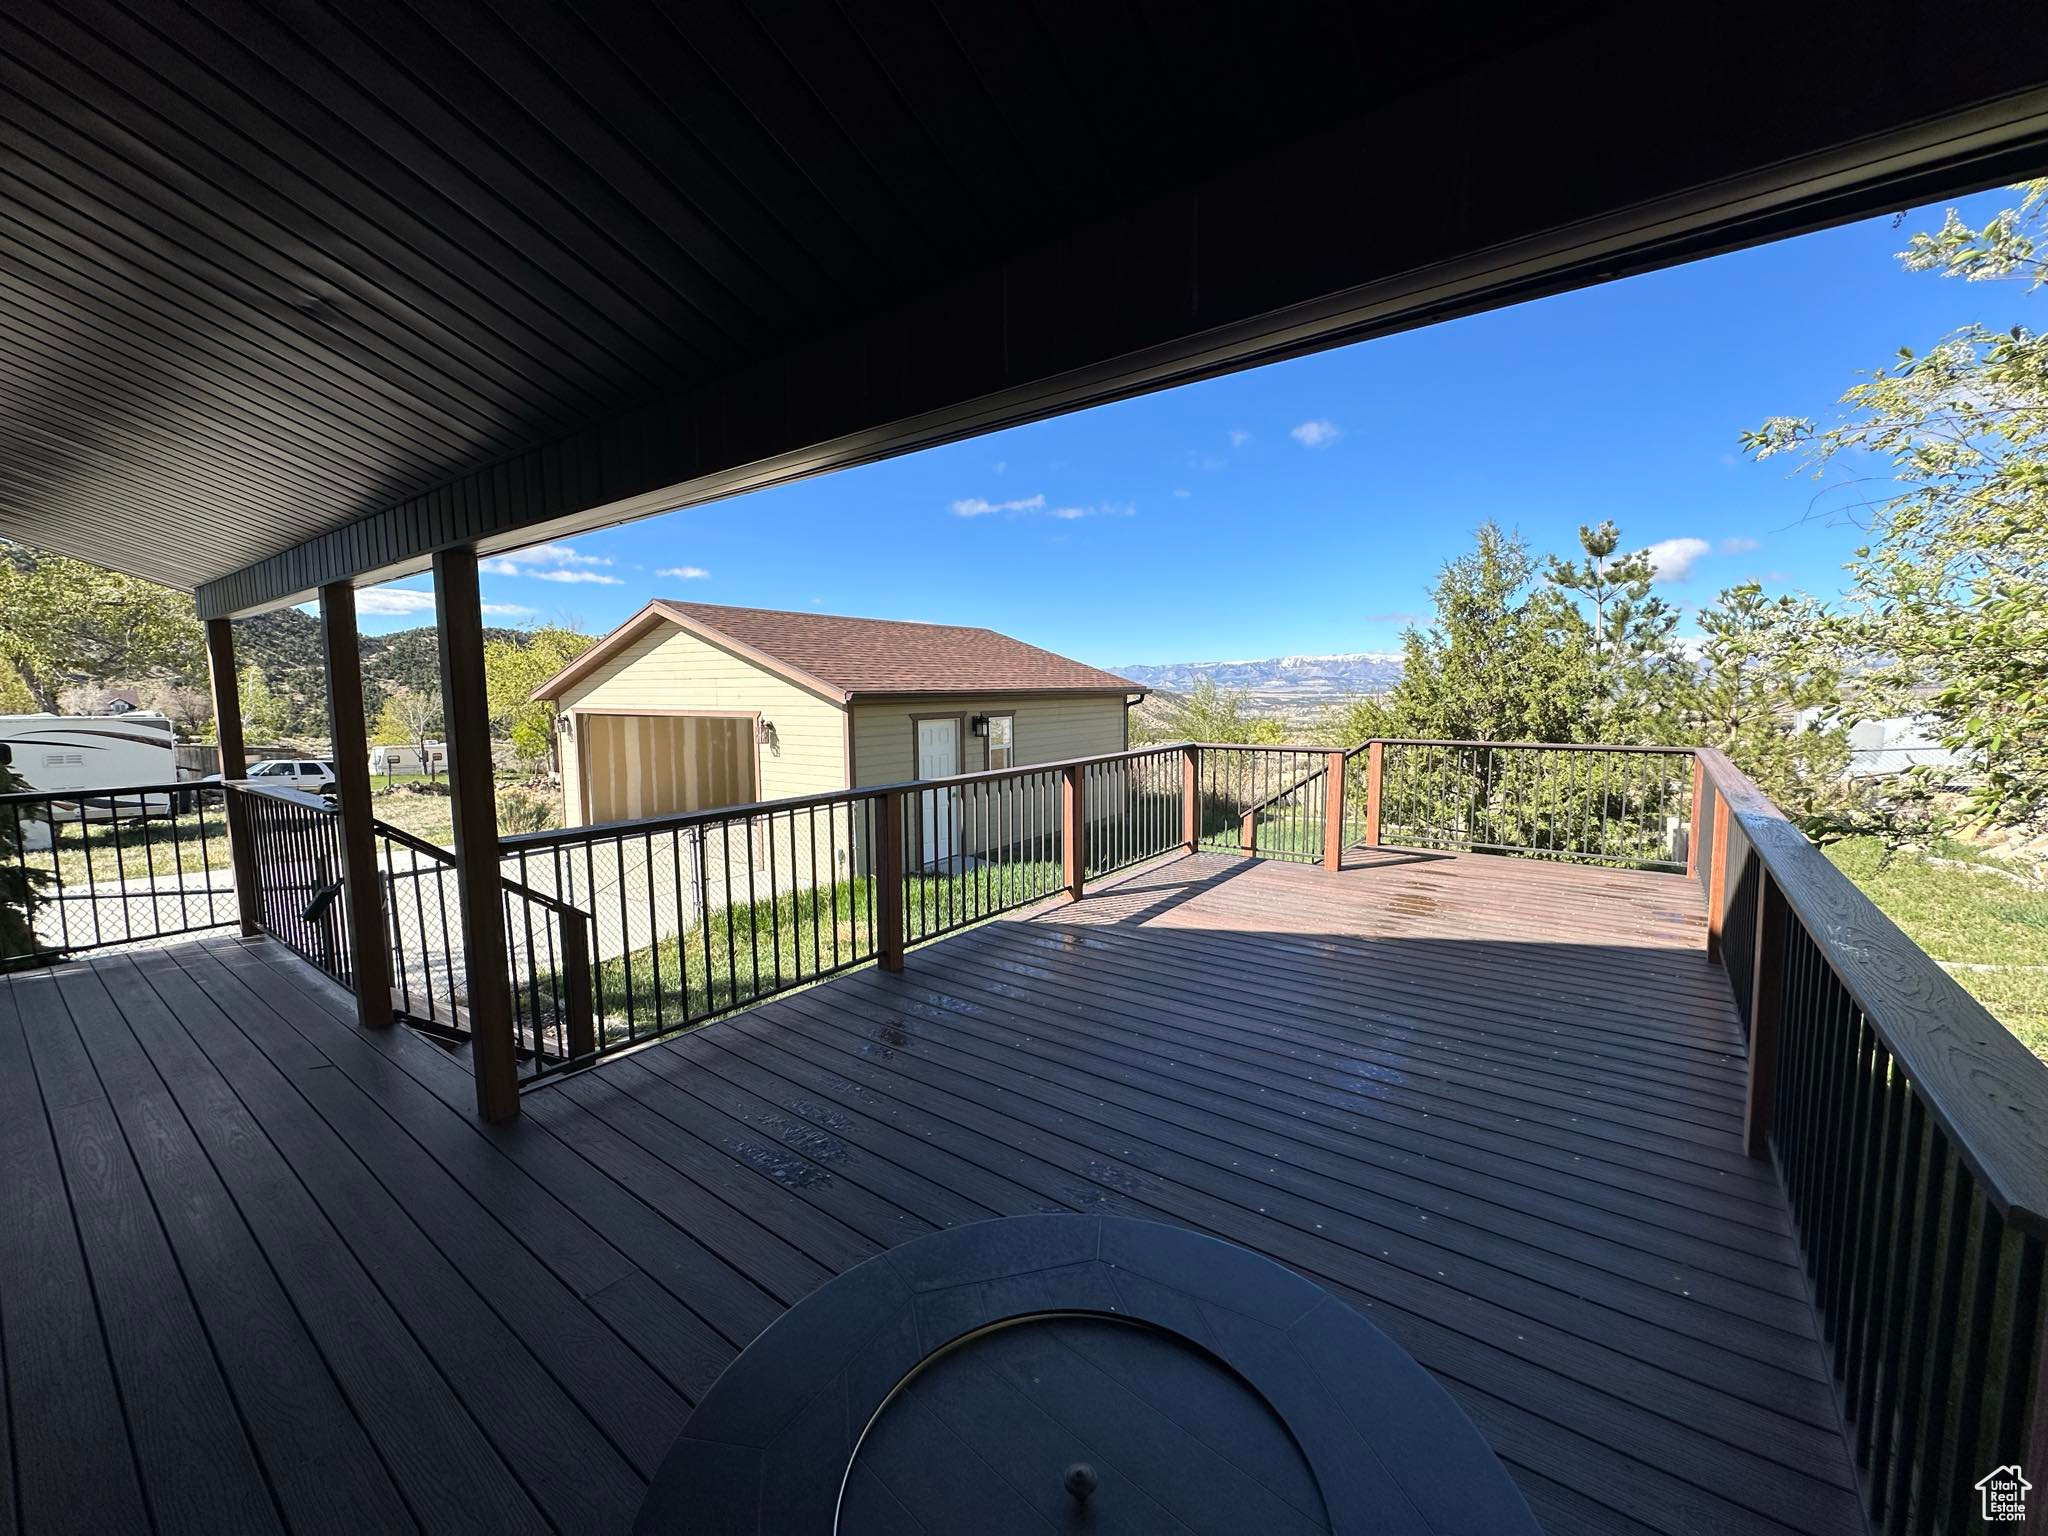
[1985,1089]
[1532,746]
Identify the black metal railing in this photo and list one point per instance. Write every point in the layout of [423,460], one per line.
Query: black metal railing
[1910,1132]
[693,916]
[119,866]
[547,954]
[1134,804]
[1596,804]
[978,845]
[1268,802]
[294,860]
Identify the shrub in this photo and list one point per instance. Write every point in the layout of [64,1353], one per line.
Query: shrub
[521,810]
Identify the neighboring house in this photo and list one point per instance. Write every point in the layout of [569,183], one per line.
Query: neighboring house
[1881,748]
[692,706]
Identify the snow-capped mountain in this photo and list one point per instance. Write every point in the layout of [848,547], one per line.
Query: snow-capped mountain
[1277,677]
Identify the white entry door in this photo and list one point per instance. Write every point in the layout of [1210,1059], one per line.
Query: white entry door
[938,757]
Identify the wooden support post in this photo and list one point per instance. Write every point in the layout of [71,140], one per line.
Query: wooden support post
[1248,834]
[234,764]
[1766,1007]
[581,1026]
[458,621]
[362,881]
[889,881]
[1375,764]
[1717,876]
[1190,797]
[1692,826]
[1333,813]
[1073,828]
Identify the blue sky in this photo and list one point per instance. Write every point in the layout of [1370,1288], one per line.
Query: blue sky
[1305,507]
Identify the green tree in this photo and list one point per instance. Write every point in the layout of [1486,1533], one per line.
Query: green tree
[265,715]
[1505,657]
[1636,666]
[64,622]
[1207,712]
[20,884]
[1948,615]
[1764,692]
[514,665]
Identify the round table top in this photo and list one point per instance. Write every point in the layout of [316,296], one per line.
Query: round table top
[1088,1373]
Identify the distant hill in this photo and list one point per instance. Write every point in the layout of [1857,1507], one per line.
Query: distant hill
[1280,680]
[285,645]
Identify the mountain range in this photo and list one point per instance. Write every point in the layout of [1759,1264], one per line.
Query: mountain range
[1280,679]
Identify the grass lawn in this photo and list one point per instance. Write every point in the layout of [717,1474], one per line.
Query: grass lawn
[198,840]
[1967,918]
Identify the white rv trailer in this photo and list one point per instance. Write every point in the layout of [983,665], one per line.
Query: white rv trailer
[56,753]
[408,760]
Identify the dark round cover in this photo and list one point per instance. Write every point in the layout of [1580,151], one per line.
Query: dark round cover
[957,1382]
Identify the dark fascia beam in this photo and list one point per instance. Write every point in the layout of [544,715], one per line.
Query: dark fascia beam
[1196,284]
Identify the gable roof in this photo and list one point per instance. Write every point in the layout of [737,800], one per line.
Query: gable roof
[846,658]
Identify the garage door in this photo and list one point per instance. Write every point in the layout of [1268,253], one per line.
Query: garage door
[663,765]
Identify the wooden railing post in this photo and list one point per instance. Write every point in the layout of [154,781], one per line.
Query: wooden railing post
[1766,1003]
[1375,765]
[1717,875]
[1190,797]
[888,864]
[1333,812]
[581,1024]
[1073,828]
[1692,825]
[242,855]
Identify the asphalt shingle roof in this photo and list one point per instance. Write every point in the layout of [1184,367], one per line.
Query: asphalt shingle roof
[871,656]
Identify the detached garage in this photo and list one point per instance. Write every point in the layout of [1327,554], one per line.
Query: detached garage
[694,706]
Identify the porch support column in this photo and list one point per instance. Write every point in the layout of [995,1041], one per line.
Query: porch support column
[234,765]
[362,882]
[459,622]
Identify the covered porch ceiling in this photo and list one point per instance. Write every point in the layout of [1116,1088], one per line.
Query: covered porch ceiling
[296,291]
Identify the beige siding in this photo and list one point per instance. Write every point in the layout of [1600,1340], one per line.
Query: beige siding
[1024,815]
[671,669]
[1049,730]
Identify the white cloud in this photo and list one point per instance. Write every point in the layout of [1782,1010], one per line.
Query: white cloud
[1181,492]
[684,572]
[1001,466]
[1100,509]
[1739,546]
[393,600]
[1673,559]
[1238,437]
[1319,433]
[507,611]
[548,562]
[981,506]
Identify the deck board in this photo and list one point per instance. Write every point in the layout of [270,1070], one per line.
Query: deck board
[1494,1104]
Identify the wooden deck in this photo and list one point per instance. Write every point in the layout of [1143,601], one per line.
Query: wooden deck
[262,1270]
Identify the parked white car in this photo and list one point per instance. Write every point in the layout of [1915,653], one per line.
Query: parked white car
[310,774]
